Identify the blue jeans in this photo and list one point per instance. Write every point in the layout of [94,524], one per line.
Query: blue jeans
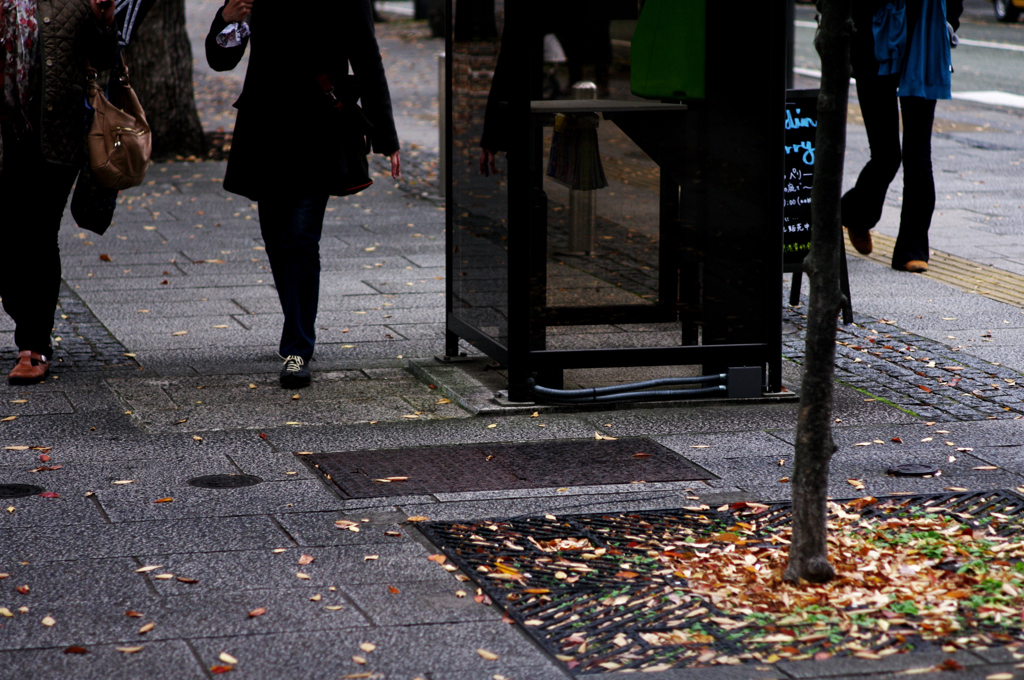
[291,227]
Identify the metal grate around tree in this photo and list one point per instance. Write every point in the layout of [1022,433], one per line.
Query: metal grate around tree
[605,592]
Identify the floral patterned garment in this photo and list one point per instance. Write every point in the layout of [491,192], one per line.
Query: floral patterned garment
[19,35]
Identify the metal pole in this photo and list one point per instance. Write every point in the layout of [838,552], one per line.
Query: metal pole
[582,204]
[442,127]
[790,39]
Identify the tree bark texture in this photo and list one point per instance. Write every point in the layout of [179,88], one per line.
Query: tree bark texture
[808,554]
[160,63]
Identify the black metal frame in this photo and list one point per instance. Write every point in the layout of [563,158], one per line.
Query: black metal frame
[525,354]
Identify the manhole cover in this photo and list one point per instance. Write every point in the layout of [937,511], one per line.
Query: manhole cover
[912,470]
[224,481]
[492,467]
[19,490]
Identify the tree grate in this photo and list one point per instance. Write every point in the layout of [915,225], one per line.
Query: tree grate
[612,592]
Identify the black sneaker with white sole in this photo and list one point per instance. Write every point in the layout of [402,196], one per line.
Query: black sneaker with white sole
[295,373]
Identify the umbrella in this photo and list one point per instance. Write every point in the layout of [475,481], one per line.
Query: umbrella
[130,14]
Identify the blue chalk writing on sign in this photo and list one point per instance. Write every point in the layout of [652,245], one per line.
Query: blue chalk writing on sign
[808,149]
[795,123]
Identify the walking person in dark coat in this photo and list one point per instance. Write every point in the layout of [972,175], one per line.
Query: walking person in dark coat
[915,85]
[292,147]
[44,48]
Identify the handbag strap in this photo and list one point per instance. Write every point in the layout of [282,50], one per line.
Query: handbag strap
[122,70]
[325,84]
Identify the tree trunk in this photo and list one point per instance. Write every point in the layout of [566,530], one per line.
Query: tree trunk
[160,63]
[808,554]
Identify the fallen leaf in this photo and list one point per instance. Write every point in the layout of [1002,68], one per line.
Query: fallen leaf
[492,426]
[151,567]
[130,650]
[163,500]
[185,579]
[600,437]
[306,559]
[16,448]
[784,480]
[259,611]
[24,590]
[5,612]
[196,438]
[105,258]
[897,440]
[217,670]
[124,481]
[985,467]
[300,575]
[133,614]
[49,621]
[179,333]
[999,676]
[444,401]
[163,577]
[440,559]
[334,608]
[227,658]
[641,455]
[393,590]
[490,656]
[367,647]
[359,660]
[75,649]
[370,558]
[8,419]
[955,488]
[417,518]
[535,414]
[146,628]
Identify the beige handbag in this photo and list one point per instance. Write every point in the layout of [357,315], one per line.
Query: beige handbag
[119,141]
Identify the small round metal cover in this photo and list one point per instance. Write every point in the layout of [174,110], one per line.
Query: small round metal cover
[19,490]
[224,481]
[912,470]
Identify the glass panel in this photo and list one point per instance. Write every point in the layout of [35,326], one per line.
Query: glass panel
[478,204]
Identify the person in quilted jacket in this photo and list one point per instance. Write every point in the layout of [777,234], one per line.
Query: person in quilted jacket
[45,45]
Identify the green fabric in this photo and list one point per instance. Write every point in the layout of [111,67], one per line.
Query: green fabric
[667,55]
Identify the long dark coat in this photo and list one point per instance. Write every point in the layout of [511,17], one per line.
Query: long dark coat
[286,137]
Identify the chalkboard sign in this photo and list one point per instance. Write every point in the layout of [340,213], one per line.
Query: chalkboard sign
[801,129]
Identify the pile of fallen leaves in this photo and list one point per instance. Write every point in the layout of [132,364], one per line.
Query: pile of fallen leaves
[705,586]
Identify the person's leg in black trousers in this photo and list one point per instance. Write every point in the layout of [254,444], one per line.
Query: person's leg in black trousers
[918,182]
[291,227]
[862,205]
[33,194]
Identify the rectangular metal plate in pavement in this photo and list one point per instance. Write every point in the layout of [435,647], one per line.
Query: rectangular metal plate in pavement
[490,467]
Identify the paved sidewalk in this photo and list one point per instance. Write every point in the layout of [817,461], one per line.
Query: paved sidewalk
[166,371]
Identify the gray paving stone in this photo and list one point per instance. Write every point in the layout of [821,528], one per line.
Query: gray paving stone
[129,539]
[168,659]
[262,569]
[401,651]
[136,505]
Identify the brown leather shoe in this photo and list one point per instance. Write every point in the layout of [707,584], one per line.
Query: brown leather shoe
[916,266]
[31,368]
[861,241]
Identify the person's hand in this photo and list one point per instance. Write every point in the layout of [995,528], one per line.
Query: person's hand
[236,10]
[396,165]
[103,10]
[487,166]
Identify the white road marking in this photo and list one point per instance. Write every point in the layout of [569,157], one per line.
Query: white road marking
[993,97]
[400,8]
[963,41]
[992,45]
